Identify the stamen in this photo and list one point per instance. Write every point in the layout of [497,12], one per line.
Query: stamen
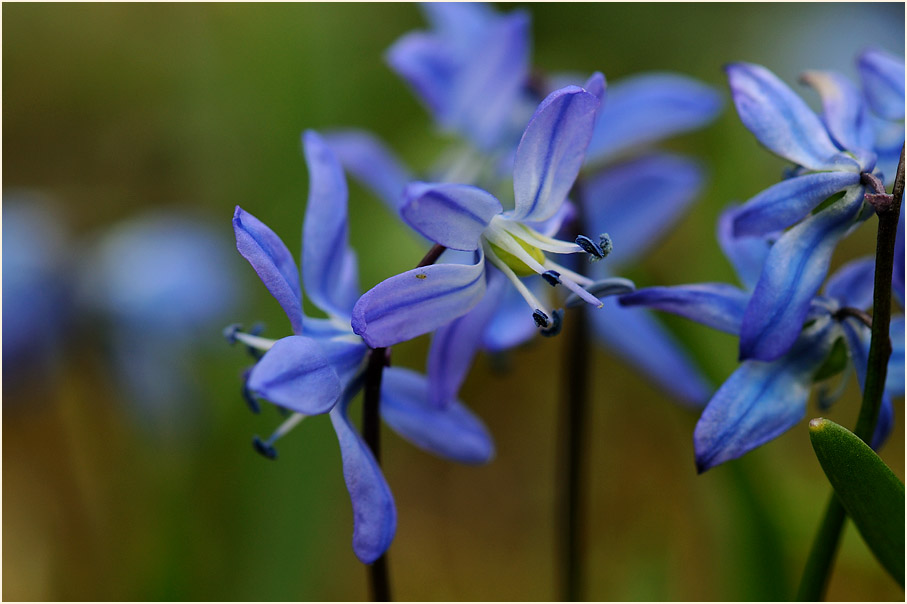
[590,247]
[612,286]
[266,447]
[250,399]
[528,296]
[604,242]
[566,272]
[233,333]
[557,322]
[541,319]
[552,277]
[230,332]
[263,448]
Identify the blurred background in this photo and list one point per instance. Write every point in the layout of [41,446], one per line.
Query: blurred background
[132,131]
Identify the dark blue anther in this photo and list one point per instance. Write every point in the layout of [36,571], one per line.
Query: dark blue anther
[230,332]
[264,448]
[557,321]
[256,330]
[541,319]
[590,247]
[604,242]
[552,277]
[250,399]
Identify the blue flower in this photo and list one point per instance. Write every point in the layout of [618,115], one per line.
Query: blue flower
[834,154]
[882,76]
[320,368]
[761,400]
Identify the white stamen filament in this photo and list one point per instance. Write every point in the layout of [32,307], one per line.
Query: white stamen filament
[531,300]
[288,424]
[548,244]
[257,342]
[580,279]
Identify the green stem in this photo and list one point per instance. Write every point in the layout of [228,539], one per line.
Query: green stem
[822,555]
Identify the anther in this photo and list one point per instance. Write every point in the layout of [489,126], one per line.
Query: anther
[604,241]
[256,330]
[590,247]
[230,332]
[557,322]
[541,319]
[552,277]
[247,395]
[265,449]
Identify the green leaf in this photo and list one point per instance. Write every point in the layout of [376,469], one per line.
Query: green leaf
[869,491]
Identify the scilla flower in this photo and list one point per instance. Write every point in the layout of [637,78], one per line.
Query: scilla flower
[463,217]
[319,369]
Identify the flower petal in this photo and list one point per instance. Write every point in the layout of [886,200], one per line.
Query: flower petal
[889,142]
[746,254]
[759,402]
[859,338]
[551,152]
[883,83]
[852,284]
[372,163]
[718,305]
[273,262]
[647,108]
[424,61]
[451,432]
[843,110]
[637,337]
[450,214]
[795,268]
[894,381]
[637,201]
[597,86]
[779,118]
[783,204]
[374,513]
[417,302]
[296,375]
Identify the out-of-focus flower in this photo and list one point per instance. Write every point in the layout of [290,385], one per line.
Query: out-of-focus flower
[882,76]
[320,368]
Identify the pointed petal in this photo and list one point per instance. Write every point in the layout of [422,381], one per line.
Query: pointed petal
[295,374]
[883,83]
[417,302]
[843,110]
[718,305]
[424,61]
[648,108]
[746,254]
[371,163]
[637,201]
[374,513]
[460,22]
[637,337]
[783,204]
[272,261]
[852,284]
[551,152]
[759,402]
[795,268]
[894,381]
[346,354]
[779,118]
[454,346]
[597,86]
[450,214]
[452,432]
[859,338]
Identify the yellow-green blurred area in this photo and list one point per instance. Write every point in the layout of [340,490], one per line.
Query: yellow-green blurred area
[113,110]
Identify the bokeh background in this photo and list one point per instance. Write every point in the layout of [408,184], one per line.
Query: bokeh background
[129,134]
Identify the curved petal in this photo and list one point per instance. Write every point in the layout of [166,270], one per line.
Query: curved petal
[424,61]
[637,201]
[346,354]
[843,110]
[417,302]
[883,83]
[718,305]
[759,402]
[779,118]
[372,163]
[859,338]
[597,86]
[551,152]
[637,337]
[454,346]
[273,262]
[329,268]
[746,254]
[374,513]
[450,214]
[783,204]
[451,432]
[852,284]
[648,108]
[295,374]
[889,142]
[794,269]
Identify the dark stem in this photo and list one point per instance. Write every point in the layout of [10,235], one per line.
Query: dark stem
[821,557]
[378,359]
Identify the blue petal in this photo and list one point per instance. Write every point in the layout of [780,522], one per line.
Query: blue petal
[372,163]
[843,110]
[883,83]
[859,338]
[894,381]
[295,374]
[450,214]
[346,354]
[452,432]
[780,119]
[637,202]
[551,152]
[425,62]
[785,203]
[272,261]
[852,284]
[636,336]
[417,302]
[718,305]
[648,108]
[374,513]
[454,346]
[795,268]
[460,23]
[746,254]
[597,86]
[512,323]
[889,142]
[759,402]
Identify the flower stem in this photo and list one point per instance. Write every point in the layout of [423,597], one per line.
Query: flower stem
[378,359]
[821,558]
